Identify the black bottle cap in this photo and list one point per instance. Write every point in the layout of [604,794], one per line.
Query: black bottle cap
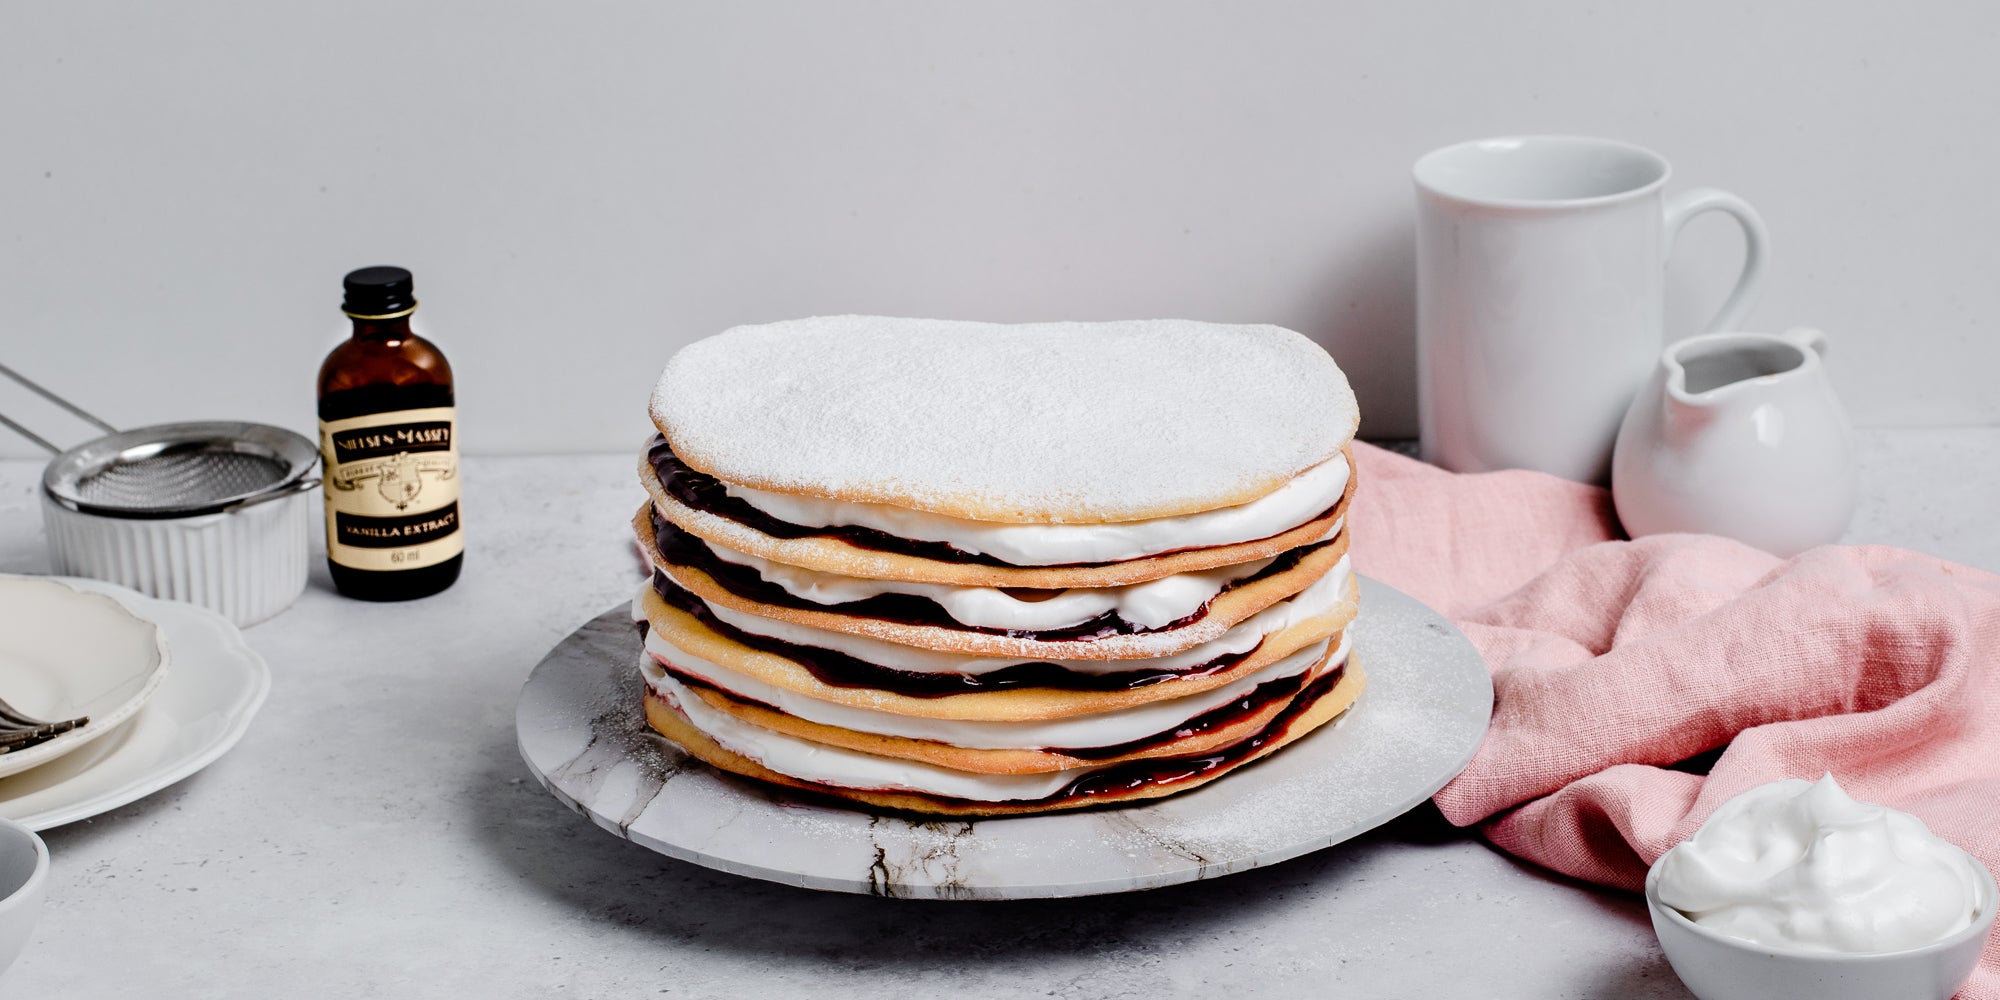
[379,293]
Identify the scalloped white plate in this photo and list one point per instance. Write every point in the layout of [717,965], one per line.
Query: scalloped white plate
[195,715]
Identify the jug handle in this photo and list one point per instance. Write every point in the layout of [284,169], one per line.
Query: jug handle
[1807,338]
[1688,204]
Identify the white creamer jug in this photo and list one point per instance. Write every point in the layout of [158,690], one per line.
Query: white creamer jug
[1738,434]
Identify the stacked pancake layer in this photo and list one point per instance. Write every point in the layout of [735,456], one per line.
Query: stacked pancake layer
[941,637]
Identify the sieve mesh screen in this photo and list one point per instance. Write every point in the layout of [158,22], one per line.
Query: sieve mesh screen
[184,475]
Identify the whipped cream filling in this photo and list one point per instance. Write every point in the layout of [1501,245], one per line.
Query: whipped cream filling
[1101,729]
[826,765]
[1321,597]
[1798,864]
[1304,497]
[1153,604]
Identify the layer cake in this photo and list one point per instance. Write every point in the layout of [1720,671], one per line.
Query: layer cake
[979,569]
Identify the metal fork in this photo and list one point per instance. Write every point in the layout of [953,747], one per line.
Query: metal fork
[19,730]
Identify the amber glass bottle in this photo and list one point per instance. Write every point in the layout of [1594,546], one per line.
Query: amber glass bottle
[388,431]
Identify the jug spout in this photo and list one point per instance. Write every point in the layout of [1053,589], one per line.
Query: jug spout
[1683,413]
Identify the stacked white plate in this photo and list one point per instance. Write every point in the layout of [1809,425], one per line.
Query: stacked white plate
[167,687]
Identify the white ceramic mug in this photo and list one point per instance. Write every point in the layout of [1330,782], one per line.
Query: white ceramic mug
[1541,296]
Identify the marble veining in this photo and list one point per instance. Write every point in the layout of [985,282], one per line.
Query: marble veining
[582,732]
[620,745]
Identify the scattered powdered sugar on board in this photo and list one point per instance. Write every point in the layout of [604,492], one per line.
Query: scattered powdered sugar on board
[1041,422]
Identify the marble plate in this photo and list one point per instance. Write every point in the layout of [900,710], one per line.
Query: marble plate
[1428,701]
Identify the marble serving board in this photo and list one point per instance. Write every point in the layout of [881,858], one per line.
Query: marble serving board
[1426,707]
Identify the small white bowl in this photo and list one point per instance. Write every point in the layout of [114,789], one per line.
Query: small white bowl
[67,652]
[24,879]
[1719,967]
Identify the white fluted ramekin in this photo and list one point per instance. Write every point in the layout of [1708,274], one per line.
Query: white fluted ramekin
[214,513]
[246,564]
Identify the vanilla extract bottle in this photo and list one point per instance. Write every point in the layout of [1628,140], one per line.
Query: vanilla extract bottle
[389,444]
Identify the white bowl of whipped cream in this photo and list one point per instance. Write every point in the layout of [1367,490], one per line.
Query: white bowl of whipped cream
[1795,890]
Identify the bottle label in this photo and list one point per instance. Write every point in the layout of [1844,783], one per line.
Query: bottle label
[391,484]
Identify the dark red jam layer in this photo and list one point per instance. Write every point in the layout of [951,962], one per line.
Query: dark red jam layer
[841,670]
[683,549]
[1135,775]
[704,492]
[1221,717]
[1253,701]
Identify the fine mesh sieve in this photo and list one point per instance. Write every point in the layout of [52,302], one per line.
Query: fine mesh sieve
[181,475]
[172,470]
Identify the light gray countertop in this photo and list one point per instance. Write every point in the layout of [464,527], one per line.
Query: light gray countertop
[376,833]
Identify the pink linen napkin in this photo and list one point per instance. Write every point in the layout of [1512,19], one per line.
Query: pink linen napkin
[1612,659]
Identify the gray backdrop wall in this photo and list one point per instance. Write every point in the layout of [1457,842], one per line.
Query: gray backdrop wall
[582,187]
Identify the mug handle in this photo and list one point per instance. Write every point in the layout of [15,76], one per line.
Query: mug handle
[1688,204]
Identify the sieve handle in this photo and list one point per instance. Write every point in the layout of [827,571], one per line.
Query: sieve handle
[308,483]
[30,435]
[53,398]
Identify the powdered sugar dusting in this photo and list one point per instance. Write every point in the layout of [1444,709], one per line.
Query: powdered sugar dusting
[1042,422]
